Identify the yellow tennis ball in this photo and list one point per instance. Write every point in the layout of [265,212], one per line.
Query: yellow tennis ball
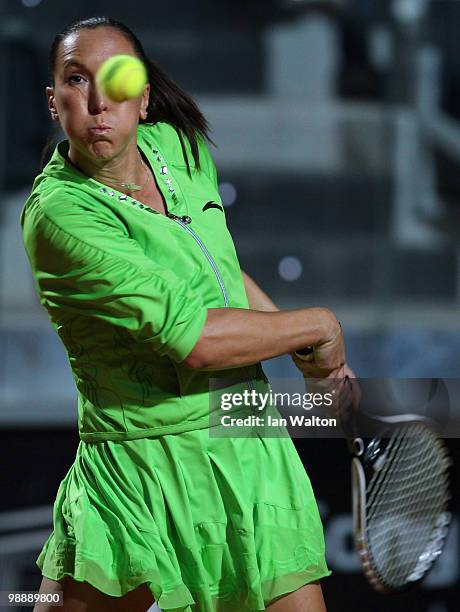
[122,77]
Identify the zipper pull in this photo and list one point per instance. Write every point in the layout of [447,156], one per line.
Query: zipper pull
[184,218]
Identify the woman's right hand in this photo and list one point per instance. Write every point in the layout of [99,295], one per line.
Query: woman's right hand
[330,354]
[327,355]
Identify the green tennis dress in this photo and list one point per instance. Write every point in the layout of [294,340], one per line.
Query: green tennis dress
[210,523]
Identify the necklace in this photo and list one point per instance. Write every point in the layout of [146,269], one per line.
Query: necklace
[133,186]
[165,177]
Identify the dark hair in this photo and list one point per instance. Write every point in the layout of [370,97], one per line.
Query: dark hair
[167,102]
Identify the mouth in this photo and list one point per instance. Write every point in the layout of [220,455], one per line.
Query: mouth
[100,129]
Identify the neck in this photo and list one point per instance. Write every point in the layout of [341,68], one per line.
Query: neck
[125,172]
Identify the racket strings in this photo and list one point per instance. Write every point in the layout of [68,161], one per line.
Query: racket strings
[406,499]
[395,474]
[377,485]
[423,512]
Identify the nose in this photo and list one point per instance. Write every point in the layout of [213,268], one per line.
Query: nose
[97,102]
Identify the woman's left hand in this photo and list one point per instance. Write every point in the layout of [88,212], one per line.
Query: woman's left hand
[341,382]
[350,397]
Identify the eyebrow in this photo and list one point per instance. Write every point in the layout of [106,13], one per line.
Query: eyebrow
[72,62]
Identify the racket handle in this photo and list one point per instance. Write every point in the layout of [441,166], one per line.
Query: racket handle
[306,354]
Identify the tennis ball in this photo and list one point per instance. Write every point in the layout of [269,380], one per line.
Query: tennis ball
[122,77]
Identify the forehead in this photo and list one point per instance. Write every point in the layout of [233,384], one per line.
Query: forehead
[92,46]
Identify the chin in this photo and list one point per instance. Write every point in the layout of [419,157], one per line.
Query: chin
[102,150]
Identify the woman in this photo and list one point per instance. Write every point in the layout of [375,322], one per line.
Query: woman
[127,241]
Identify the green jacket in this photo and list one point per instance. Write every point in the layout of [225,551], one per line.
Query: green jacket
[127,288]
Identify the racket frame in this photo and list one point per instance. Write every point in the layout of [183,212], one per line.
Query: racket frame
[357,448]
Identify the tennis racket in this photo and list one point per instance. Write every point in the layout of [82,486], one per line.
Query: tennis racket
[401,493]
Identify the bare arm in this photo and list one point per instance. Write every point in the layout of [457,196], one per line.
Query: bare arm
[258,299]
[235,337]
[351,398]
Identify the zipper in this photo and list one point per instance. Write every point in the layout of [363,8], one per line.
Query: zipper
[184,221]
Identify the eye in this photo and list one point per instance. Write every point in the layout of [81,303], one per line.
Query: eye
[72,78]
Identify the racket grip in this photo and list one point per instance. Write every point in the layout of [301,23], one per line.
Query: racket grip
[306,354]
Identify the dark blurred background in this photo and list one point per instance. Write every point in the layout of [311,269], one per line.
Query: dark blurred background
[337,125]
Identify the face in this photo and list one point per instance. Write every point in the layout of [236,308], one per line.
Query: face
[78,104]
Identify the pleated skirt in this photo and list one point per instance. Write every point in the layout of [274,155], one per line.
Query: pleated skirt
[211,524]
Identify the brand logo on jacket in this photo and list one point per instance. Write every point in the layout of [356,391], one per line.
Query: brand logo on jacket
[212,205]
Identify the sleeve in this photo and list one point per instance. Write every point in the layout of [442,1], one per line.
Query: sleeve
[89,265]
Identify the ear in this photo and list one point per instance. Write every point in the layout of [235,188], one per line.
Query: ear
[144,102]
[51,103]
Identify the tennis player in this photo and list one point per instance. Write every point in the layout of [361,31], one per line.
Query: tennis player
[127,241]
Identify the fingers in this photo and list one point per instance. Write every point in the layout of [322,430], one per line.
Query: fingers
[331,383]
[348,398]
[327,355]
[344,405]
[309,369]
[344,390]
[330,354]
[356,395]
[325,371]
